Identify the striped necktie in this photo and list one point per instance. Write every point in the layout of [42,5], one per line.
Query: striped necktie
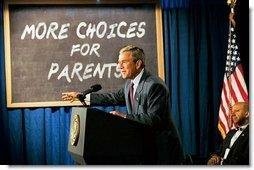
[131,97]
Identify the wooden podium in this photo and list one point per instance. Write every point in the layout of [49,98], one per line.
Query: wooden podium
[100,138]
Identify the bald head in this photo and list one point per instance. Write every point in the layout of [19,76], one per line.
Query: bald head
[240,113]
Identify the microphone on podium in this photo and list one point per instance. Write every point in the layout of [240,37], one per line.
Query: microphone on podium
[93,88]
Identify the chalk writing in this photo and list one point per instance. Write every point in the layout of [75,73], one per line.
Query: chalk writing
[82,72]
[60,47]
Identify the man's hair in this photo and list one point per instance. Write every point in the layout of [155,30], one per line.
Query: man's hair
[137,53]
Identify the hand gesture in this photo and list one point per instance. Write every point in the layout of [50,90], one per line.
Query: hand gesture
[70,96]
[118,114]
[214,160]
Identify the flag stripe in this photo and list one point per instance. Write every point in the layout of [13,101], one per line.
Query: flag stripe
[239,72]
[223,110]
[236,88]
[222,131]
[225,104]
[222,128]
[223,118]
[227,94]
[241,93]
[241,83]
[231,91]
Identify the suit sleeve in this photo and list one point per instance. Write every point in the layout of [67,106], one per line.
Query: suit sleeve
[108,98]
[157,107]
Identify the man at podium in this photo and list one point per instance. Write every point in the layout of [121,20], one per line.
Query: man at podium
[147,100]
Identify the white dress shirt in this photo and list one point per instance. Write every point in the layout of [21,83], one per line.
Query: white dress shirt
[136,81]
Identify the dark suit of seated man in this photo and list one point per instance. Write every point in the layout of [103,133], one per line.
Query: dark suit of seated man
[235,147]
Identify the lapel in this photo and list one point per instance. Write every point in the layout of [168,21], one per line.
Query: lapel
[126,93]
[241,138]
[139,90]
[228,139]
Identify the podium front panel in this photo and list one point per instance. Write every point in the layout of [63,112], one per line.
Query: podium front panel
[106,139]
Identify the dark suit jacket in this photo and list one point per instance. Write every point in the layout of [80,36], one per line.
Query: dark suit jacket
[151,108]
[239,152]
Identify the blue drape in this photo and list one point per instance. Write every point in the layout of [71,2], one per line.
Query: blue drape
[194,43]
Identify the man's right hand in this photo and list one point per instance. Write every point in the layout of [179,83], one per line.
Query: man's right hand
[70,96]
[214,160]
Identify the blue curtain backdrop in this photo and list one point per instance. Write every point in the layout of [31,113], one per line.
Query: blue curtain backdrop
[194,49]
[195,38]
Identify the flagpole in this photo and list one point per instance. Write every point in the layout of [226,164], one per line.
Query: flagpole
[231,4]
[232,24]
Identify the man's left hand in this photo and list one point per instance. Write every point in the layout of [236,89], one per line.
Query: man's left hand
[123,115]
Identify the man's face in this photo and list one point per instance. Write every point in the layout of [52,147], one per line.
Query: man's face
[129,68]
[240,113]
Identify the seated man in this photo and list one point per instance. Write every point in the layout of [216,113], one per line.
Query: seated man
[235,147]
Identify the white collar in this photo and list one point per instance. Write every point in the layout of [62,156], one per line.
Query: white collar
[138,77]
[242,127]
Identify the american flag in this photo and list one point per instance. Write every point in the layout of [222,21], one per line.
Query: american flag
[234,86]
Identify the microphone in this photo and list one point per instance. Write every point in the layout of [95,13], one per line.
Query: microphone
[93,88]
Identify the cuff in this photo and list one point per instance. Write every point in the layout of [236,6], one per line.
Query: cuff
[87,99]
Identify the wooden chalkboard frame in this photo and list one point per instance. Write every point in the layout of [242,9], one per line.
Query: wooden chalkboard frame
[8,52]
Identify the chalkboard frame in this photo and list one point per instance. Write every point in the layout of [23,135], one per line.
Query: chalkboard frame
[8,69]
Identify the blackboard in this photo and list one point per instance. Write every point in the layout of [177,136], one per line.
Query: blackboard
[70,45]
